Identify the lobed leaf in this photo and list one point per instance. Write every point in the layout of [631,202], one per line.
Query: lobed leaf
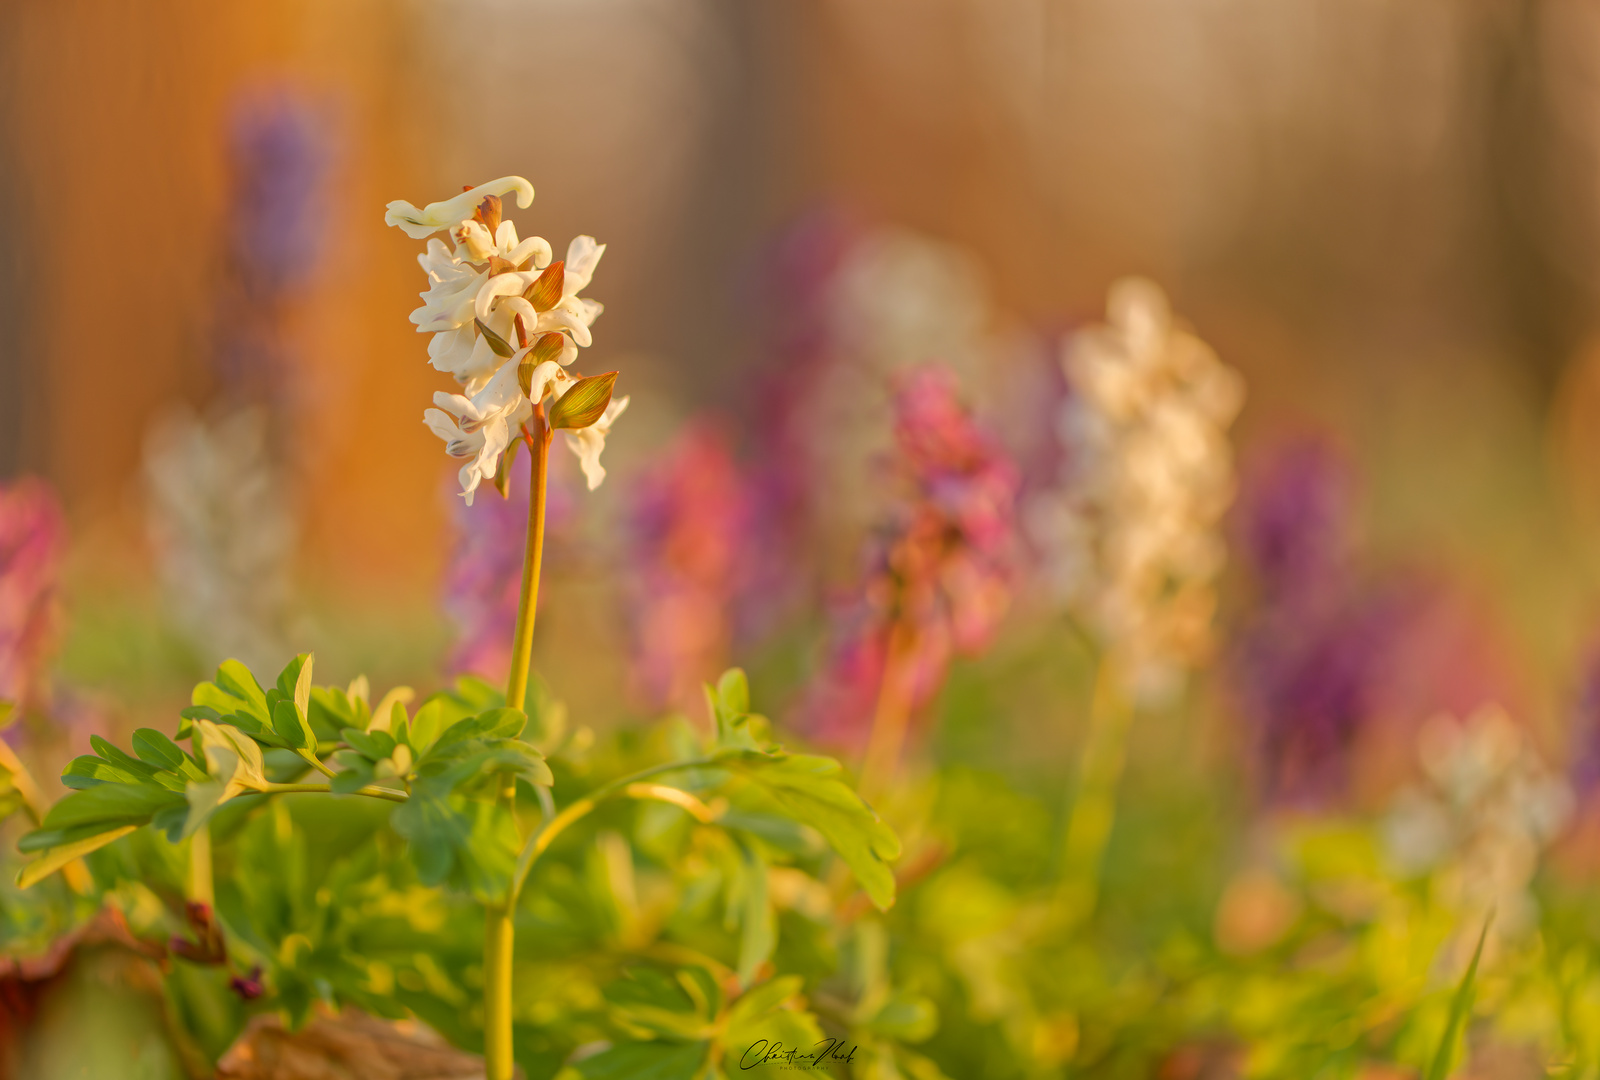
[809,789]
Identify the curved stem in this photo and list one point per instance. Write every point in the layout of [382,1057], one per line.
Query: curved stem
[371,791]
[553,827]
[317,763]
[532,558]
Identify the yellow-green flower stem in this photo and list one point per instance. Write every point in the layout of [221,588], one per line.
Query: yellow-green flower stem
[532,557]
[499,931]
[499,935]
[892,715]
[202,889]
[1094,804]
[371,791]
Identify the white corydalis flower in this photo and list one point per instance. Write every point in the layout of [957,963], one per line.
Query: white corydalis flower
[1132,533]
[588,442]
[450,213]
[505,321]
[1487,807]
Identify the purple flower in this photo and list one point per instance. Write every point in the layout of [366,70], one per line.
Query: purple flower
[688,527]
[1321,652]
[1586,724]
[32,543]
[1294,521]
[278,160]
[939,575]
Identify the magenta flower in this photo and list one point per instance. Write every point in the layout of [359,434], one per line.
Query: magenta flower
[32,543]
[940,574]
[689,532]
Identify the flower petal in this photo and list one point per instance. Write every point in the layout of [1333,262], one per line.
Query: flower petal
[448,213]
[583,255]
[562,319]
[588,442]
[536,248]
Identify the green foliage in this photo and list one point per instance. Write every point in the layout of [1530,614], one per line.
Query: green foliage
[804,788]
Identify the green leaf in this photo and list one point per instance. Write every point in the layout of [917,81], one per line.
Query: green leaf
[906,1017]
[332,710]
[237,680]
[1460,1006]
[110,804]
[733,692]
[729,704]
[758,930]
[57,857]
[584,403]
[372,745]
[158,750]
[121,759]
[292,727]
[425,727]
[500,346]
[646,1061]
[88,771]
[302,693]
[808,789]
[204,798]
[355,772]
[767,1013]
[436,831]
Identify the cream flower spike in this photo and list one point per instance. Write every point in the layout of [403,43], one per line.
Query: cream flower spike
[448,213]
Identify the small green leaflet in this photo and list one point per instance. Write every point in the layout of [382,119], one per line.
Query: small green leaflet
[585,403]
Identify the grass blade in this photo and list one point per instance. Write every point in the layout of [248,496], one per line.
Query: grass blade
[1460,1005]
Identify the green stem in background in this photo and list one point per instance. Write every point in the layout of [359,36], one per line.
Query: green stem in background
[499,931]
[891,717]
[371,791]
[554,826]
[75,873]
[532,557]
[202,889]
[1094,804]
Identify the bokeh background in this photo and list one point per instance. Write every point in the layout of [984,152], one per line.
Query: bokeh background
[1383,215]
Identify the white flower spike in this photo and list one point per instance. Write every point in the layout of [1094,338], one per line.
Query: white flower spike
[495,302]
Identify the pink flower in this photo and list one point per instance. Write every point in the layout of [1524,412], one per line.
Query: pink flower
[942,569]
[689,525]
[32,542]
